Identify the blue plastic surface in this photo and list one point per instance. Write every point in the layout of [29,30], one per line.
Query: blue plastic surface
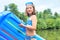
[10,29]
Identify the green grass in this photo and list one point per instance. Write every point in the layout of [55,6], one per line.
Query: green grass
[49,34]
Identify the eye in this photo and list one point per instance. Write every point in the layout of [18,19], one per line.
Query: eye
[27,8]
[30,8]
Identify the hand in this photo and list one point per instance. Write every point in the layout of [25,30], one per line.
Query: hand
[21,25]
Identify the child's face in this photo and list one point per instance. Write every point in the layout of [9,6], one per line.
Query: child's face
[29,9]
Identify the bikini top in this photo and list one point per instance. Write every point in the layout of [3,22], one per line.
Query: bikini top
[29,21]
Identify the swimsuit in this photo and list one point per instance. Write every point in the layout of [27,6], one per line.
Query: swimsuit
[29,22]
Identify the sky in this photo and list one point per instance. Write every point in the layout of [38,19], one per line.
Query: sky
[40,5]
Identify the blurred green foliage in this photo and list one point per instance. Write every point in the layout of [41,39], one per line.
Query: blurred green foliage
[46,19]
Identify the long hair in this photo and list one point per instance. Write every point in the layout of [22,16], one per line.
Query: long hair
[33,13]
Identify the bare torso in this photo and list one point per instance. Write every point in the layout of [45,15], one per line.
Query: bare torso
[30,32]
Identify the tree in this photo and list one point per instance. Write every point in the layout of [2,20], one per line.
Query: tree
[56,15]
[39,14]
[47,13]
[5,8]
[13,8]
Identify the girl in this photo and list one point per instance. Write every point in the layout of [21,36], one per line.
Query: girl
[31,22]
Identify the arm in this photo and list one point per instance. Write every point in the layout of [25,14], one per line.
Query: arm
[34,23]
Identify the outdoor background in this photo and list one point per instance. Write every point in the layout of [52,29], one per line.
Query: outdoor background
[47,12]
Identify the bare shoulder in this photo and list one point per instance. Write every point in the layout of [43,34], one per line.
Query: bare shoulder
[33,17]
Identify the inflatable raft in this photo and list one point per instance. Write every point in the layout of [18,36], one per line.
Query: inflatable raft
[9,28]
